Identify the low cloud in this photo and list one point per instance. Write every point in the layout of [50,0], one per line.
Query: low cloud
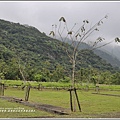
[43,14]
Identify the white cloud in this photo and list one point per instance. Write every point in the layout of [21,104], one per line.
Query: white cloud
[43,14]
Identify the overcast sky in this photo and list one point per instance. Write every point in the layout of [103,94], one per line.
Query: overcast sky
[43,14]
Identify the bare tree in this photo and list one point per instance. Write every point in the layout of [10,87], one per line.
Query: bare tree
[26,84]
[77,35]
[22,67]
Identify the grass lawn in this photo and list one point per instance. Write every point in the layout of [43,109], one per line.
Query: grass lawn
[7,111]
[93,105]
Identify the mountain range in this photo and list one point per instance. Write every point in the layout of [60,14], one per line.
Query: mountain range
[106,53]
[34,48]
[112,58]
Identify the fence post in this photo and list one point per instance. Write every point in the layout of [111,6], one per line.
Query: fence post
[97,89]
[2,89]
[77,99]
[40,87]
[71,105]
[27,92]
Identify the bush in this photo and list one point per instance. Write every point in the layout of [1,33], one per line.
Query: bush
[65,80]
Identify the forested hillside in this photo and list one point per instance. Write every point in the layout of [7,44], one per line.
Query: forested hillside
[26,47]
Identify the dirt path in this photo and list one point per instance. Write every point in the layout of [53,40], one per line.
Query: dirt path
[107,94]
[45,107]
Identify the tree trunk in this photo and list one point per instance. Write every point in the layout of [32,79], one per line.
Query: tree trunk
[71,103]
[73,85]
[73,73]
[22,76]
[27,93]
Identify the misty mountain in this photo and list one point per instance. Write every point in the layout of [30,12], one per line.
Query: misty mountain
[113,50]
[33,49]
[112,57]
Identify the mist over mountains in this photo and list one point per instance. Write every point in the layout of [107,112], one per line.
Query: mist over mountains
[107,53]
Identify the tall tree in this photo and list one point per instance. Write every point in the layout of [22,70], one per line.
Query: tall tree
[77,35]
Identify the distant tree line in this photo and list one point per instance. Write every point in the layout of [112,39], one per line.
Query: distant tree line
[59,74]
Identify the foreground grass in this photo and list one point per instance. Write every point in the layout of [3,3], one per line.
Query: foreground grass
[6,111]
[93,105]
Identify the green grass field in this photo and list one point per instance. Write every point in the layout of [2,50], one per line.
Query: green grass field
[93,105]
[59,84]
[6,111]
